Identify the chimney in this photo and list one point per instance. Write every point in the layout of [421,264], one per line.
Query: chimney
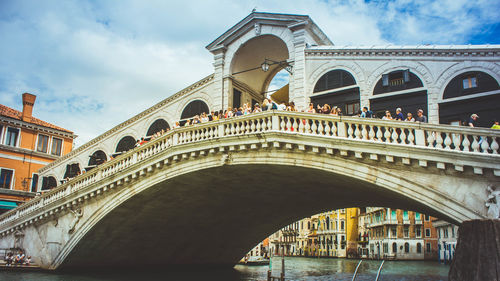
[28,102]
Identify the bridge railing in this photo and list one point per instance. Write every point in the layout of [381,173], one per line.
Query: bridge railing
[411,134]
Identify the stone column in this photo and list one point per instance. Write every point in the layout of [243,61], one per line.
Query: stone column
[477,256]
[220,101]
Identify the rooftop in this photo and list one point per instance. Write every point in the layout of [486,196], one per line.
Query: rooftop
[16,114]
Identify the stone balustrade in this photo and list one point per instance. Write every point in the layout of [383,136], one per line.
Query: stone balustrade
[367,131]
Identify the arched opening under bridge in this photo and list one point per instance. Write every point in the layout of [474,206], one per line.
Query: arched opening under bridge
[253,201]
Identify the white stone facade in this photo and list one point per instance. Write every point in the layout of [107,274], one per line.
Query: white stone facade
[299,41]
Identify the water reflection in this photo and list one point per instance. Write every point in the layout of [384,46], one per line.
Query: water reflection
[296,269]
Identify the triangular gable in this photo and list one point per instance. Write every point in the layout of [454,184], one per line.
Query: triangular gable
[287,20]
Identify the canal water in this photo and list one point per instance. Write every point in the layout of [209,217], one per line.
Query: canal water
[296,268]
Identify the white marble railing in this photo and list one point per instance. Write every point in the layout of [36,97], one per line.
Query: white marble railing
[439,137]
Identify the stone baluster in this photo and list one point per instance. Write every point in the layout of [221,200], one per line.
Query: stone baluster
[314,127]
[456,140]
[364,132]
[447,141]
[232,131]
[307,128]
[302,126]
[350,131]
[430,138]
[334,129]
[357,131]
[394,135]
[295,125]
[485,146]
[283,126]
[402,136]
[247,127]
[269,124]
[371,133]
[320,127]
[328,129]
[475,144]
[252,127]
[439,140]
[289,126]
[237,128]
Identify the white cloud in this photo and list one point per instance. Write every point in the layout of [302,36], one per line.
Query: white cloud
[95,64]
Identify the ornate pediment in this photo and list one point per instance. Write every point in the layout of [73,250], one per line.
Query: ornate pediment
[255,21]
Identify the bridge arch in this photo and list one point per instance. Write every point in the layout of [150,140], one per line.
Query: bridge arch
[293,196]
[245,64]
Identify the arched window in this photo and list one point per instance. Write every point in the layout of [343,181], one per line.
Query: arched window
[419,248]
[467,93]
[196,107]
[397,80]
[407,247]
[97,158]
[157,126]
[468,83]
[72,170]
[48,183]
[394,247]
[409,101]
[347,99]
[125,144]
[334,79]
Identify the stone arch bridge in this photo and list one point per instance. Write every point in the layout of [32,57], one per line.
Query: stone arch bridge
[206,194]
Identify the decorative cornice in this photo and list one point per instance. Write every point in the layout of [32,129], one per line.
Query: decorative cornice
[406,51]
[150,110]
[34,127]
[26,151]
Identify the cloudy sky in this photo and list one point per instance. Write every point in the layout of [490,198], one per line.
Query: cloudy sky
[94,64]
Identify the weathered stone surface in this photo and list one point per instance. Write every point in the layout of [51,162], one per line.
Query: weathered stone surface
[477,256]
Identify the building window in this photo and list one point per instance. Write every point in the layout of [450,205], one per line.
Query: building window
[12,136]
[6,176]
[352,108]
[43,143]
[56,146]
[428,247]
[469,82]
[419,248]
[342,225]
[445,233]
[407,247]
[386,248]
[34,182]
[417,216]
[427,218]
[405,215]
[427,232]
[394,232]
[394,247]
[407,231]
[418,232]
[452,231]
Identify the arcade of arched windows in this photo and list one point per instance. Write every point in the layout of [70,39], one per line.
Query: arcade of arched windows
[467,93]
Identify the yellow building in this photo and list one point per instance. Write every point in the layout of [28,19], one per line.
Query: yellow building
[338,232]
[27,144]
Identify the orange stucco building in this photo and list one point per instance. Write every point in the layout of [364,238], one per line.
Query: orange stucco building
[27,144]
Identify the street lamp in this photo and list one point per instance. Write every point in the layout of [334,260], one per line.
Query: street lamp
[267,64]
[284,64]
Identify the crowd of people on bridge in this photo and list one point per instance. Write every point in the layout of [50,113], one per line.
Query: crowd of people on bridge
[17,260]
[269,104]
